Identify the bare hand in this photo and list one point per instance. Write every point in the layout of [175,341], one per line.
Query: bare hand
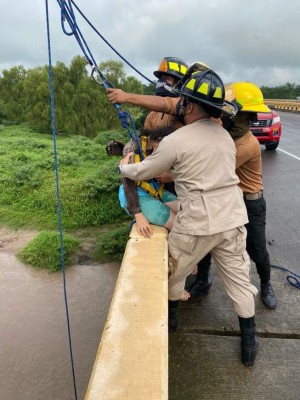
[116,95]
[126,159]
[165,177]
[143,225]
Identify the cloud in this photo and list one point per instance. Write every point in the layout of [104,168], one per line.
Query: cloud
[255,41]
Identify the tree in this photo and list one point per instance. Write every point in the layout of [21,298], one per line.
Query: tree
[11,93]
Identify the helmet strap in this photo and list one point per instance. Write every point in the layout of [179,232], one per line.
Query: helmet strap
[181,109]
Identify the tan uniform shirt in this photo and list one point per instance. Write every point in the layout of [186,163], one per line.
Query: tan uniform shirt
[156,120]
[160,120]
[201,157]
[248,163]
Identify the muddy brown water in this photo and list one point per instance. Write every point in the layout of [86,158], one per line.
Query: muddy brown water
[34,349]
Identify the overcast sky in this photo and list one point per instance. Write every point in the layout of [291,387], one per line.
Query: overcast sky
[255,40]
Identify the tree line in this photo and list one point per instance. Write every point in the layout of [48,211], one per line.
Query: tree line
[81,106]
[287,91]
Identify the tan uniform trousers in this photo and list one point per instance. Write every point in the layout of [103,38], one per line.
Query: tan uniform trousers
[229,252]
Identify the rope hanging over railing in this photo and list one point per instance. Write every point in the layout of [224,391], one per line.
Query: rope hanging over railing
[58,202]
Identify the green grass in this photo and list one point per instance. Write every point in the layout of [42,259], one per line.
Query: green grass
[87,177]
[110,246]
[87,180]
[44,251]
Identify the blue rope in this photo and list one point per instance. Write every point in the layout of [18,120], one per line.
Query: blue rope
[291,279]
[58,200]
[67,14]
[103,38]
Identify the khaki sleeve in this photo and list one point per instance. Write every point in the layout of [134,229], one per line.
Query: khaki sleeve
[159,161]
[171,103]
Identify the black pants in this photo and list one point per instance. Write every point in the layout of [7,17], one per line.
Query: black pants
[256,237]
[256,241]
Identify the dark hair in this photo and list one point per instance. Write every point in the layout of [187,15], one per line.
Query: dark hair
[157,134]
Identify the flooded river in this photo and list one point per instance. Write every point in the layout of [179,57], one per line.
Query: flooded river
[34,349]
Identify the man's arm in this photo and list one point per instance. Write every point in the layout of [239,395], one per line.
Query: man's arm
[154,165]
[153,103]
[243,154]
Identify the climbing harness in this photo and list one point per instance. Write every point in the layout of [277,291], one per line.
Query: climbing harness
[292,279]
[153,187]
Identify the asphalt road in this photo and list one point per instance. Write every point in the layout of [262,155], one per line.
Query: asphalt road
[282,193]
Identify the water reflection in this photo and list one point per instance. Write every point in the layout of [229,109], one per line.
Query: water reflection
[34,352]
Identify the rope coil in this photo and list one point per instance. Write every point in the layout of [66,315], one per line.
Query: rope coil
[292,279]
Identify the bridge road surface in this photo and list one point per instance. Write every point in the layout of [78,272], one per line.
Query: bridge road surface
[204,355]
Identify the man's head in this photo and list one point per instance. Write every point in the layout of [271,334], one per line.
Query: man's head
[169,72]
[155,136]
[197,66]
[248,95]
[249,100]
[206,90]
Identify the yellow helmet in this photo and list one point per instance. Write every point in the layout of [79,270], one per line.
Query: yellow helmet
[248,95]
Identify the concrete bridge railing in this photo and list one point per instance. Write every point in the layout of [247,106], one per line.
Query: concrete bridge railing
[282,104]
[132,359]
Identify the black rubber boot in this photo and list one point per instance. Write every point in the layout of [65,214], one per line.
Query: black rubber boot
[173,317]
[200,287]
[203,281]
[249,343]
[268,295]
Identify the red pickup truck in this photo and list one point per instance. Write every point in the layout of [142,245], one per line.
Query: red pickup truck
[267,129]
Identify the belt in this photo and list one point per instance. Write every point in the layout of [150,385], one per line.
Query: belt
[253,196]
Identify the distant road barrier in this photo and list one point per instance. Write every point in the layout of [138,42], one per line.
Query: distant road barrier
[282,104]
[132,359]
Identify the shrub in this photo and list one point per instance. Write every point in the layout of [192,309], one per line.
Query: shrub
[44,251]
[107,136]
[111,245]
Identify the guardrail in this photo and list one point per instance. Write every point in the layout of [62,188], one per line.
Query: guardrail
[284,104]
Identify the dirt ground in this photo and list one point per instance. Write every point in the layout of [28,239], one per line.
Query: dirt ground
[12,241]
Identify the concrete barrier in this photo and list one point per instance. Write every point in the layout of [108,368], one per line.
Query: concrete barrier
[284,104]
[132,359]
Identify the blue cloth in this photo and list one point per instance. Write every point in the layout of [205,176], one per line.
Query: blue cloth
[155,211]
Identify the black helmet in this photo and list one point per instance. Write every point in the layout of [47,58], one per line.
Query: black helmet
[207,89]
[198,66]
[172,66]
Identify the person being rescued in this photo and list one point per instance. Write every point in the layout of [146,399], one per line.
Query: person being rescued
[148,201]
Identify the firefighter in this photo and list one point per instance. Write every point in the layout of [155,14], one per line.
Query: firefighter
[211,210]
[249,170]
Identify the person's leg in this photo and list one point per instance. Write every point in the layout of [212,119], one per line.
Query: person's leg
[257,248]
[234,266]
[159,213]
[203,278]
[155,211]
[184,251]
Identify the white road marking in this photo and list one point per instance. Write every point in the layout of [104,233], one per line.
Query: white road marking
[289,154]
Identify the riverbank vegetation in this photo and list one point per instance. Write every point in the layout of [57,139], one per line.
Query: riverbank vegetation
[81,106]
[88,185]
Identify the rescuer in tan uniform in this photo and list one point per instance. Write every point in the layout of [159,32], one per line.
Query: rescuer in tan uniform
[168,74]
[211,211]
